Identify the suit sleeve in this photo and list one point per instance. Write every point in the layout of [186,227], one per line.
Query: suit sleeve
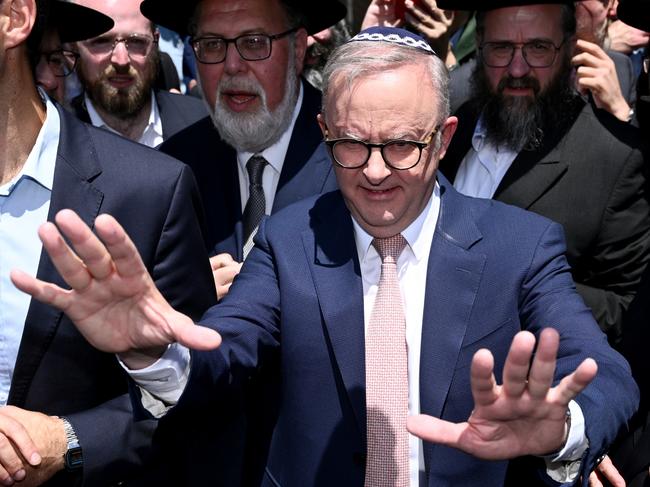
[114,444]
[622,249]
[548,299]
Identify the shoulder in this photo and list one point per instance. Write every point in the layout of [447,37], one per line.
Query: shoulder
[602,131]
[195,141]
[183,102]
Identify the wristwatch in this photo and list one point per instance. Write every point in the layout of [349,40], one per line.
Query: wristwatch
[73,457]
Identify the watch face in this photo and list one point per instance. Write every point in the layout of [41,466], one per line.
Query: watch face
[74,459]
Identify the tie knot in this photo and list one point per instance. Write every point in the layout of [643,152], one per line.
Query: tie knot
[255,168]
[389,247]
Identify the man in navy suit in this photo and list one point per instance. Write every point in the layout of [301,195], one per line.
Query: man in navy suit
[473,275]
[68,397]
[259,106]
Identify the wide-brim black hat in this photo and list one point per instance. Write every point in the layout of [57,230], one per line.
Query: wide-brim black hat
[485,5]
[176,14]
[76,22]
[635,13]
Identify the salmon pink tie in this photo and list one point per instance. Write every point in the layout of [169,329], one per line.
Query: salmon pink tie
[387,375]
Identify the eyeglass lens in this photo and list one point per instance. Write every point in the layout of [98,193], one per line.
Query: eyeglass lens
[401,154]
[538,54]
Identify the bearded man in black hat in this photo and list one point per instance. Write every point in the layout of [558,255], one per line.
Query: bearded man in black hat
[68,400]
[528,139]
[260,149]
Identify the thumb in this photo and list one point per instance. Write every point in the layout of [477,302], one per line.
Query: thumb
[197,337]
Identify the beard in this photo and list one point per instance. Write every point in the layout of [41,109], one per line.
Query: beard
[258,130]
[519,122]
[123,103]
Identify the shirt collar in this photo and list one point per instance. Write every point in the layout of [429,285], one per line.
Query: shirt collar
[276,153]
[480,134]
[41,160]
[155,122]
[418,234]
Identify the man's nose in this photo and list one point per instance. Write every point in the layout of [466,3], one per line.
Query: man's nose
[120,54]
[518,67]
[376,169]
[45,76]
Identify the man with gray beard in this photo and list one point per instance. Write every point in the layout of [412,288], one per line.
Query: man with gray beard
[528,139]
[118,71]
[261,148]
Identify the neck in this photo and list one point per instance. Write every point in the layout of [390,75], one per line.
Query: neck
[22,114]
[131,127]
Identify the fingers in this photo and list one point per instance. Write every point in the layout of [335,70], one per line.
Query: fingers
[221,260]
[15,444]
[87,246]
[574,383]
[542,370]
[608,471]
[515,370]
[435,430]
[484,386]
[594,481]
[125,256]
[594,50]
[224,277]
[42,291]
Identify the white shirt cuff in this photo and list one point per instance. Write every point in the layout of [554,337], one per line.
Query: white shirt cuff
[564,466]
[163,382]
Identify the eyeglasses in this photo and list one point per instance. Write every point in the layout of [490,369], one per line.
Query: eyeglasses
[400,154]
[61,61]
[137,45]
[537,54]
[251,47]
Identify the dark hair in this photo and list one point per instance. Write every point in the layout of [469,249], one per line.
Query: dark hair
[568,19]
[294,16]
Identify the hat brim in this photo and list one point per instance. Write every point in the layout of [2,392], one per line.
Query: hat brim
[76,22]
[175,15]
[485,5]
[634,13]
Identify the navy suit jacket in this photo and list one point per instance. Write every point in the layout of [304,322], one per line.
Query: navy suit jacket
[306,171]
[57,372]
[297,306]
[176,111]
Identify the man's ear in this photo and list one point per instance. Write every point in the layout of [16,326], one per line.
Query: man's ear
[20,18]
[447,130]
[300,49]
[321,124]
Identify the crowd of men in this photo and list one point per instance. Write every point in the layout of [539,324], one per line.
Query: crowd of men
[413,255]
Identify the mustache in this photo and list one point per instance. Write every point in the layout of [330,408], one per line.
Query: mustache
[239,84]
[112,71]
[525,82]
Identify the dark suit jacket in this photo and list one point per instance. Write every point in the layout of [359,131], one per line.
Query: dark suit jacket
[590,179]
[57,372]
[307,171]
[298,305]
[176,111]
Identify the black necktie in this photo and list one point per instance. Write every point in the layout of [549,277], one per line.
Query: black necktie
[256,204]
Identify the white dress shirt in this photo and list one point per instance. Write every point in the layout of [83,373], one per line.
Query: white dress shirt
[152,136]
[484,166]
[24,205]
[275,156]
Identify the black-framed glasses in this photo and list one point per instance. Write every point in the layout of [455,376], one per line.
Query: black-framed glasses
[211,49]
[61,61]
[137,45]
[399,154]
[537,54]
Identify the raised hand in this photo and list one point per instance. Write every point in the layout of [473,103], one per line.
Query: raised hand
[382,13]
[524,415]
[113,301]
[596,73]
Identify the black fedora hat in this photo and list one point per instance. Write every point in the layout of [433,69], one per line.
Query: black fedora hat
[75,22]
[176,15]
[485,5]
[635,13]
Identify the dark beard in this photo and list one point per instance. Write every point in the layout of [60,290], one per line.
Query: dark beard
[123,103]
[519,123]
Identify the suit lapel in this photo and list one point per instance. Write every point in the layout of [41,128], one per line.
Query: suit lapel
[337,278]
[307,165]
[453,276]
[76,164]
[530,176]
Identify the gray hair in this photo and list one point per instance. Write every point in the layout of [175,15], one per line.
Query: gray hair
[358,59]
